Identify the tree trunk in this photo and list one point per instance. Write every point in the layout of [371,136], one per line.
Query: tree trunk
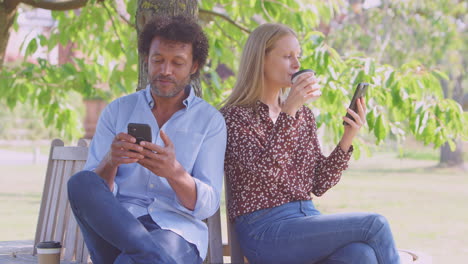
[7,17]
[450,158]
[148,9]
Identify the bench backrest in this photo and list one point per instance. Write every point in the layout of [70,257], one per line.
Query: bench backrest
[56,221]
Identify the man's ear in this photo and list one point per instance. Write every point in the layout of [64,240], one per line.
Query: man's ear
[194,68]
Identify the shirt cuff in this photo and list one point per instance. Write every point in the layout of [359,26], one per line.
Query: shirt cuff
[340,154]
[116,189]
[205,206]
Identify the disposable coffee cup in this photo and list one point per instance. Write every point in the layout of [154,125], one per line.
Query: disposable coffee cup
[299,73]
[48,252]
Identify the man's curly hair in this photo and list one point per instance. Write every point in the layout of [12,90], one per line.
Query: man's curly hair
[180,29]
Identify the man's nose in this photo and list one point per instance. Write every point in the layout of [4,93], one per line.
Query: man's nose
[166,69]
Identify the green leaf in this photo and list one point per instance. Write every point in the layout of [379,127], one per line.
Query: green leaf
[452,145]
[370,118]
[440,75]
[390,80]
[31,48]
[132,7]
[380,130]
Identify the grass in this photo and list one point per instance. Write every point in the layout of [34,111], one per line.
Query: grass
[426,207]
[20,197]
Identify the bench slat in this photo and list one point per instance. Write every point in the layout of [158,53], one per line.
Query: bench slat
[70,153]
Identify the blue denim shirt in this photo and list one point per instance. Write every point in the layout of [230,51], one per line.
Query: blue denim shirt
[198,132]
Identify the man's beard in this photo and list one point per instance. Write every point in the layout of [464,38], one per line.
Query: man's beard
[178,87]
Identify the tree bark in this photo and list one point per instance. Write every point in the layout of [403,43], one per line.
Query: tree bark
[8,11]
[449,158]
[147,9]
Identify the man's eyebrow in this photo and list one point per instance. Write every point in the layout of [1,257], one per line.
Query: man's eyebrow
[176,56]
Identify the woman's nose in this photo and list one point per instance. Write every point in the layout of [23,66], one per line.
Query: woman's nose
[296,64]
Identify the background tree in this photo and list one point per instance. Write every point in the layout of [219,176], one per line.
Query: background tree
[9,8]
[432,32]
[406,98]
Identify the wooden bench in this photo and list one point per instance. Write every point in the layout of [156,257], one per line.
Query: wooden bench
[56,220]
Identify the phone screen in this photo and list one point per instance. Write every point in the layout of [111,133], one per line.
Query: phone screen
[360,91]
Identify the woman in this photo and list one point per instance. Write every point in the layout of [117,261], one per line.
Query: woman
[273,162]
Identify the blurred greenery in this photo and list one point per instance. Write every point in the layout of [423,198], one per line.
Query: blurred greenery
[23,122]
[405,97]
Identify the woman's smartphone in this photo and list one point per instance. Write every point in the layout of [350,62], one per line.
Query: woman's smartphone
[360,91]
[142,132]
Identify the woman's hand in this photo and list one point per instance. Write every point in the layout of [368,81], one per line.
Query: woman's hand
[352,128]
[301,91]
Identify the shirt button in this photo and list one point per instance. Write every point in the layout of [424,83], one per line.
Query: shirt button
[151,186]
[150,210]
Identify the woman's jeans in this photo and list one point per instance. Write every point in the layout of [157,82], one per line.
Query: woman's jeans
[113,235]
[296,232]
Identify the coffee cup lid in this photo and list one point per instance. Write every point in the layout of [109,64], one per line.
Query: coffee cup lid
[49,244]
[300,72]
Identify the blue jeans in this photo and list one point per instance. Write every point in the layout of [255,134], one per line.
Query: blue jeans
[113,235]
[296,232]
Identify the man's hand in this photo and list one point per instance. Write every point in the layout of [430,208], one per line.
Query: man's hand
[120,153]
[162,162]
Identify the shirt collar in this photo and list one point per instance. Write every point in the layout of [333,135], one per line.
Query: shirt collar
[187,101]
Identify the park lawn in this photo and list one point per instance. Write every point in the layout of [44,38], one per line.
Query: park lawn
[426,207]
[20,197]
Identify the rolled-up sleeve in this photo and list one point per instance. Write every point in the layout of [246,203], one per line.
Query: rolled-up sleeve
[102,139]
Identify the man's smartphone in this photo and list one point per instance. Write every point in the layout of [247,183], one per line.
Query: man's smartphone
[142,132]
[360,91]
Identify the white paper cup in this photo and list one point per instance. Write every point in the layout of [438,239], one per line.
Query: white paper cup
[297,74]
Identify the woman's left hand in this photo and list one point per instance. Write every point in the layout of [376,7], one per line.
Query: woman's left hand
[352,128]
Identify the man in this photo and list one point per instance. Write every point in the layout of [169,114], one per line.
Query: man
[145,203]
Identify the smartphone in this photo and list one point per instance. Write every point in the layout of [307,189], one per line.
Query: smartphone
[360,91]
[142,132]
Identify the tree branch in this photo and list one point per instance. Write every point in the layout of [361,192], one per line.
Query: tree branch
[113,26]
[266,11]
[57,5]
[228,19]
[117,8]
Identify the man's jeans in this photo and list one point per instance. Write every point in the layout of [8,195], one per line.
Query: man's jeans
[113,235]
[297,233]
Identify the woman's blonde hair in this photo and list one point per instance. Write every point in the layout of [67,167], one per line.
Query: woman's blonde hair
[250,77]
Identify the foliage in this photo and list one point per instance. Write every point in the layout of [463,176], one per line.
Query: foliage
[433,32]
[401,99]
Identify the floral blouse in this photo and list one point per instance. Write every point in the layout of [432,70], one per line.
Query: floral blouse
[269,164]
